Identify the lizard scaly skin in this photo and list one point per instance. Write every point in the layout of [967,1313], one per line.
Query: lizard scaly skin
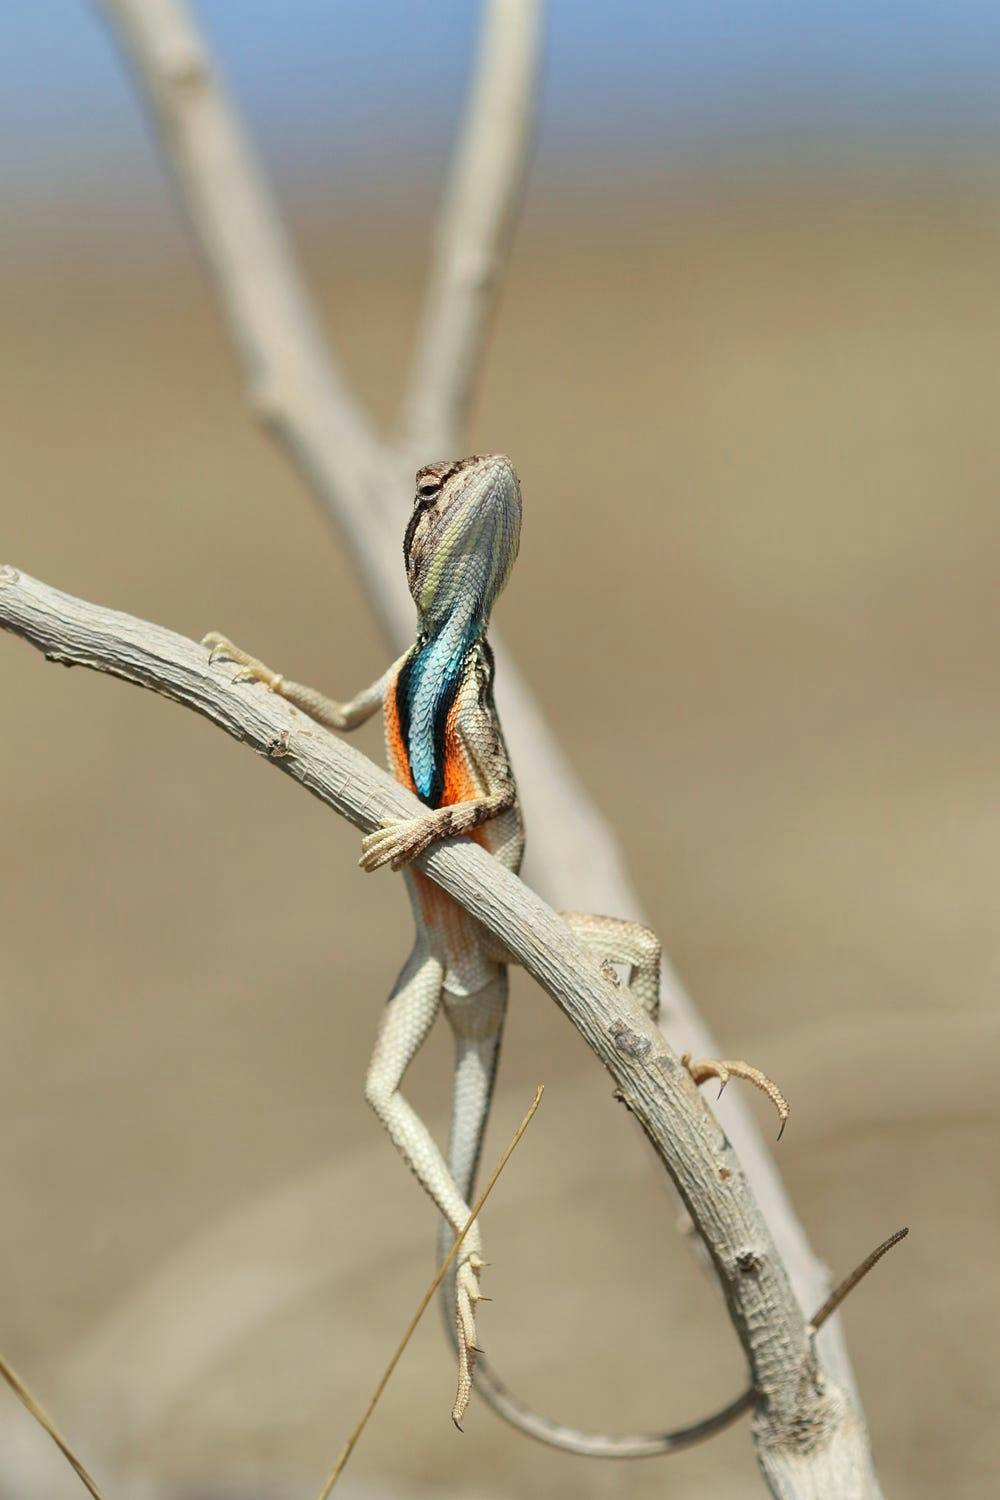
[445,744]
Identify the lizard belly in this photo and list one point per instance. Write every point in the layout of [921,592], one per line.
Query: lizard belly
[452,936]
[470,961]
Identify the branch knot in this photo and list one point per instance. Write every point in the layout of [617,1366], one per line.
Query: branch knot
[628,1041]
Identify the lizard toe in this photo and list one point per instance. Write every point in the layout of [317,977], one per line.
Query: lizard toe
[395,842]
[715,1068]
[467,1294]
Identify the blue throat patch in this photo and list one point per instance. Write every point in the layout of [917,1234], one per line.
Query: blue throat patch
[425,692]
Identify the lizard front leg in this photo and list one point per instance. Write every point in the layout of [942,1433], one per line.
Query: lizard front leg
[406,1021]
[399,840]
[613,940]
[326,711]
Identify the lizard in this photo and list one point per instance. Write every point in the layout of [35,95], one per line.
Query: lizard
[445,743]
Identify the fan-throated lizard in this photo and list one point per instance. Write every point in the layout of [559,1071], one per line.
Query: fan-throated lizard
[445,744]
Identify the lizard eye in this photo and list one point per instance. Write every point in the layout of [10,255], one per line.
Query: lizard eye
[429,485]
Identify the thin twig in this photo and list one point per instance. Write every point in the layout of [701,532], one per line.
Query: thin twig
[859,1273]
[41,1416]
[425,1300]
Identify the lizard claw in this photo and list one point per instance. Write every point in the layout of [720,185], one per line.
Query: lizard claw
[702,1071]
[467,1294]
[221,648]
[395,842]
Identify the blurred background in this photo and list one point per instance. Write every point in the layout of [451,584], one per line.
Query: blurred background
[754,291]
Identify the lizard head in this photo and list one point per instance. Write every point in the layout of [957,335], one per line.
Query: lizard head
[462,538]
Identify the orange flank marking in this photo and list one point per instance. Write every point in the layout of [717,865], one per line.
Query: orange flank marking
[394,739]
[460,784]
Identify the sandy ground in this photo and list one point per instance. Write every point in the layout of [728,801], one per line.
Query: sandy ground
[758,440]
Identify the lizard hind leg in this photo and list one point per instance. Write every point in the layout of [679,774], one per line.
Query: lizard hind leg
[708,1068]
[326,711]
[477,1023]
[407,1019]
[615,940]
[408,1016]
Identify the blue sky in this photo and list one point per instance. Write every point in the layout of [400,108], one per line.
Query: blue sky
[343,87]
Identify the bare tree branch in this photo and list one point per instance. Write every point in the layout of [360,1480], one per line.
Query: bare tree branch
[476,226]
[293,383]
[809,1438]
[296,388]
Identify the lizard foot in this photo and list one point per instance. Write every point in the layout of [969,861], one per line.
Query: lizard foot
[250,669]
[701,1072]
[395,842]
[467,1294]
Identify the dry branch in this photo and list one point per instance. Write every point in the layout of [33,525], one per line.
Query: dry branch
[477,221]
[293,382]
[809,1438]
[295,386]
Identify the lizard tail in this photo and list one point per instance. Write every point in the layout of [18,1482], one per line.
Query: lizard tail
[609,1445]
[600,1444]
[477,1053]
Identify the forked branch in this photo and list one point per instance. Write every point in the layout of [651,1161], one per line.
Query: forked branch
[809,1438]
[295,385]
